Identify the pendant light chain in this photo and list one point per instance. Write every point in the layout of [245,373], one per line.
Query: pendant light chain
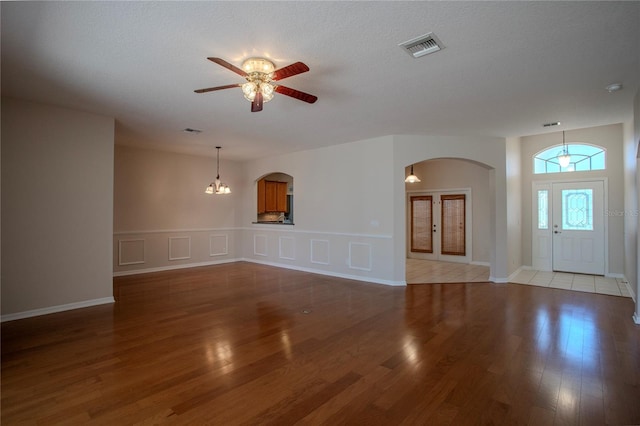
[218,163]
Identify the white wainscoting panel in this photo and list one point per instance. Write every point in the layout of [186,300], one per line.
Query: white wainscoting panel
[320,252]
[218,245]
[131,252]
[260,245]
[287,248]
[179,248]
[360,256]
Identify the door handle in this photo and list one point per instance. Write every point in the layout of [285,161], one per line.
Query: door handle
[557,232]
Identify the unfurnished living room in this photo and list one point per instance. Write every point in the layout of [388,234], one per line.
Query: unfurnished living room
[310,212]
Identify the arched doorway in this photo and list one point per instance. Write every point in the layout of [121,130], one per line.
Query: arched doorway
[447,221]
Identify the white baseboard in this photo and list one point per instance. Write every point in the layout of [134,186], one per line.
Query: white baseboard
[329,273]
[172,267]
[515,274]
[54,309]
[498,280]
[277,265]
[475,262]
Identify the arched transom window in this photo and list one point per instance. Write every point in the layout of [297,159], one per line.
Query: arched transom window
[582,158]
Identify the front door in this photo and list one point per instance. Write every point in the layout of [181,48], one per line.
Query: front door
[568,232]
[578,227]
[439,225]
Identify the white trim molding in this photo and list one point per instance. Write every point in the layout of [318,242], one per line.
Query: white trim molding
[329,273]
[313,258]
[188,256]
[120,249]
[172,267]
[352,245]
[265,245]
[224,251]
[58,308]
[281,251]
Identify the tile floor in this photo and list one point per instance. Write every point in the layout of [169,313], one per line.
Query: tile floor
[429,271]
[576,282]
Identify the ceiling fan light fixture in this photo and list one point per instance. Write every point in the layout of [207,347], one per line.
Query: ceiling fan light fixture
[249,90]
[260,74]
[260,65]
[267,90]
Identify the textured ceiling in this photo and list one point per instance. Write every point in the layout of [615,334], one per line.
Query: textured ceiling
[507,68]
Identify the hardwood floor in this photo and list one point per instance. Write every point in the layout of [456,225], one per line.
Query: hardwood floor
[250,344]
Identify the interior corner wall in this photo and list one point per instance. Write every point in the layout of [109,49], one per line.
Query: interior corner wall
[162,217]
[409,149]
[630,204]
[514,204]
[633,258]
[611,138]
[57,208]
[343,212]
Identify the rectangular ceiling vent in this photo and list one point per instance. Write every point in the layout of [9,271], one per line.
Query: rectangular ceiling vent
[422,45]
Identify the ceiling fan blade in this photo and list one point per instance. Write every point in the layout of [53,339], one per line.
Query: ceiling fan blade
[228,66]
[290,70]
[213,89]
[256,105]
[296,94]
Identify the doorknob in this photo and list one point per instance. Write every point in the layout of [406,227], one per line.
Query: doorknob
[557,232]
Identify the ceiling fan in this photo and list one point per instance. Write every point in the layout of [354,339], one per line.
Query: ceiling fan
[261,74]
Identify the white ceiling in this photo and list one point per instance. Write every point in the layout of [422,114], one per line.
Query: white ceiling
[507,68]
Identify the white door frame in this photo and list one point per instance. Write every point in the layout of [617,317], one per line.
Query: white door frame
[467,258]
[542,240]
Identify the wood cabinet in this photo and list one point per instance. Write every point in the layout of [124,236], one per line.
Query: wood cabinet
[272,196]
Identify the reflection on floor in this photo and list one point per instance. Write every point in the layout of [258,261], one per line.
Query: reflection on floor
[431,271]
[576,282]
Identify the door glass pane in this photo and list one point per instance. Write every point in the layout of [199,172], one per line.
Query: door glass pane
[421,223]
[577,209]
[543,209]
[453,225]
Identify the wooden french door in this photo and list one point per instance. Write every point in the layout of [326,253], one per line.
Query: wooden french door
[422,226]
[438,227]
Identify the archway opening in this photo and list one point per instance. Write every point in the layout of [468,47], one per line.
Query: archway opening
[448,221]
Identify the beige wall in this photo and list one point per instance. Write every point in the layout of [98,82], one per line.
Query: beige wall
[162,217]
[57,208]
[610,137]
[460,174]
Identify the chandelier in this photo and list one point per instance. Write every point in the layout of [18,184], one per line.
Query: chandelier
[563,157]
[217,187]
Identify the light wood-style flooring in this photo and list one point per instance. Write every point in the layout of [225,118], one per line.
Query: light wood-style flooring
[250,344]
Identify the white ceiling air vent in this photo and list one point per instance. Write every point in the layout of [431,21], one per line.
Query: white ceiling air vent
[422,45]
